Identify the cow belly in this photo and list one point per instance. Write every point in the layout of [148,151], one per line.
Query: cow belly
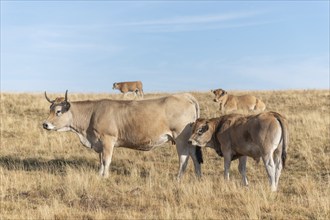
[249,149]
[145,144]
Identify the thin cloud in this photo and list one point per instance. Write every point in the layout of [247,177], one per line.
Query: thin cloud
[198,22]
[187,28]
[189,20]
[171,24]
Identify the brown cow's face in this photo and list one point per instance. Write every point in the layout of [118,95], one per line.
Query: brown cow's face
[201,133]
[60,117]
[219,93]
[115,86]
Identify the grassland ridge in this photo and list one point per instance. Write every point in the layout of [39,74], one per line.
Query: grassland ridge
[49,175]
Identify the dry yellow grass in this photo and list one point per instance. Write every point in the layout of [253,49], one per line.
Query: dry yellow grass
[49,175]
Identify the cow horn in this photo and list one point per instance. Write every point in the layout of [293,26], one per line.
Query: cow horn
[48,98]
[66,95]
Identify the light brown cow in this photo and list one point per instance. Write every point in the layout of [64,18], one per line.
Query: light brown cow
[230,103]
[125,87]
[237,136]
[141,125]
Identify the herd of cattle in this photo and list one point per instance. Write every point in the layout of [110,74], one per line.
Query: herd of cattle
[147,123]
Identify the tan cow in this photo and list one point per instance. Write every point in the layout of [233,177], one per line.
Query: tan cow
[230,103]
[125,87]
[237,136]
[141,125]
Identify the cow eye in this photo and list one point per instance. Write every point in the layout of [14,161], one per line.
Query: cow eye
[200,131]
[58,112]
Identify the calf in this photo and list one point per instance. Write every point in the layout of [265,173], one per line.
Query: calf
[237,136]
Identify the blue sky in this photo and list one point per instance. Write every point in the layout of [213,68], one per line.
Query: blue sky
[171,46]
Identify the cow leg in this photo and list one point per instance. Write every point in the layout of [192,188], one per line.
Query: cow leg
[183,153]
[138,93]
[227,161]
[101,170]
[242,169]
[185,150]
[197,159]
[278,166]
[108,145]
[270,168]
[141,93]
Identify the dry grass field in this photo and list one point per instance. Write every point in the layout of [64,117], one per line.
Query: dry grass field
[50,175]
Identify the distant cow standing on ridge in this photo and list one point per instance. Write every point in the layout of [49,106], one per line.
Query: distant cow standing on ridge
[125,87]
[233,103]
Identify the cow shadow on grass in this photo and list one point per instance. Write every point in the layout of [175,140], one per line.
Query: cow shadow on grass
[59,166]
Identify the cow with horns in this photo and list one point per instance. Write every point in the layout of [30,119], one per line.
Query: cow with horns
[142,125]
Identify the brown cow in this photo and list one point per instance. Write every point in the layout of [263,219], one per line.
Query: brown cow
[140,125]
[232,103]
[125,87]
[237,136]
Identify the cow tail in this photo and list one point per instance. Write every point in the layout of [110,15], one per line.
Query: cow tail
[198,113]
[142,93]
[199,153]
[285,139]
[141,90]
[195,102]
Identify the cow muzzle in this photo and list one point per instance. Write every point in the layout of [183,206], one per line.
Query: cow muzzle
[192,142]
[48,126]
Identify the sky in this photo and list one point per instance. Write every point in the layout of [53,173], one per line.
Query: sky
[171,46]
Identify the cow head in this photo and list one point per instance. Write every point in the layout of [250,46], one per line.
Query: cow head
[115,86]
[219,93]
[60,117]
[202,132]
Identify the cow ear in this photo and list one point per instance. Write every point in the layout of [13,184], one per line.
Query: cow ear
[66,106]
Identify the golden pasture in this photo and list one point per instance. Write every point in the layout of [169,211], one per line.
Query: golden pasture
[50,175]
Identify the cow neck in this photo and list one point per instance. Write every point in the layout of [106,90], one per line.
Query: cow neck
[225,98]
[81,115]
[216,143]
